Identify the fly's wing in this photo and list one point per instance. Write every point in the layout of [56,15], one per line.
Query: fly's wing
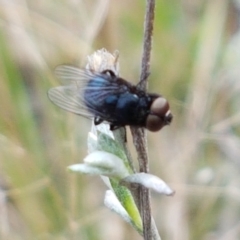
[66,97]
[70,96]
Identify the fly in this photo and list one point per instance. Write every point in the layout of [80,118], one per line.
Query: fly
[105,97]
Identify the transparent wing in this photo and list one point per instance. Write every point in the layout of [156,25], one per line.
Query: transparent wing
[77,83]
[66,97]
[73,75]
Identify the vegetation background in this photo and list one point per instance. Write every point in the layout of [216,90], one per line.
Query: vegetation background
[195,65]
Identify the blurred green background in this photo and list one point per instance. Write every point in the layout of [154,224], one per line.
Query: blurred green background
[195,64]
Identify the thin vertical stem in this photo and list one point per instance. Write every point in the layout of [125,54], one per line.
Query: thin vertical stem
[139,134]
[147,42]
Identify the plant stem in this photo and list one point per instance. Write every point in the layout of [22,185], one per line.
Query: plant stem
[147,43]
[139,134]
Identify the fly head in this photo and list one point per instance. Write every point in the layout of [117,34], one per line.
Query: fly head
[159,116]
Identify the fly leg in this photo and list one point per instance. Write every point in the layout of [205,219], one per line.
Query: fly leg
[109,72]
[98,120]
[143,80]
[115,127]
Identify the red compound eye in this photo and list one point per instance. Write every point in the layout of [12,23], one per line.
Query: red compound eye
[154,123]
[159,107]
[159,116]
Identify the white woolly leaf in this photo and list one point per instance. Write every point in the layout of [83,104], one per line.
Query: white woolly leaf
[149,181]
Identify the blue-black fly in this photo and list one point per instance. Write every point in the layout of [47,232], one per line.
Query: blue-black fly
[107,97]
